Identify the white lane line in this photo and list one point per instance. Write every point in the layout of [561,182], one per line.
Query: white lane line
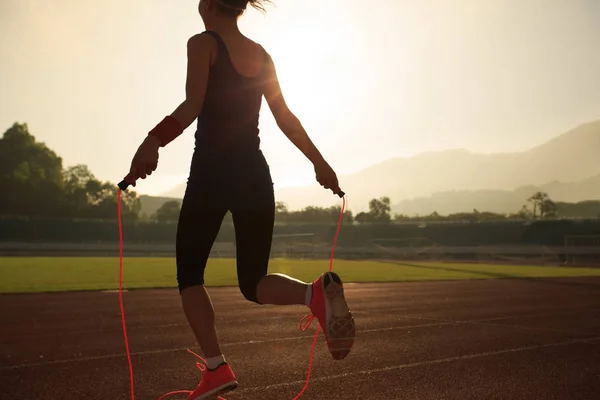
[414,365]
[489,322]
[358,312]
[245,343]
[109,356]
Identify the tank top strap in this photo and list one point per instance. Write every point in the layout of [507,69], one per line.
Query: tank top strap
[216,36]
[223,52]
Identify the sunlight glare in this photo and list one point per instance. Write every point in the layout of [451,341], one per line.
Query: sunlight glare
[316,65]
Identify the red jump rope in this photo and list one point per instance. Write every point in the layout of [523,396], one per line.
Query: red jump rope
[304,323]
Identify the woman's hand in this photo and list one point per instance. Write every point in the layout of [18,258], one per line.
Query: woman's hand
[326,176]
[145,160]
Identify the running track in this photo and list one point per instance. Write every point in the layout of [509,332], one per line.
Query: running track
[494,339]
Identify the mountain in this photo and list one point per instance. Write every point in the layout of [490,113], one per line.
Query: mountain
[570,157]
[150,204]
[177,192]
[500,201]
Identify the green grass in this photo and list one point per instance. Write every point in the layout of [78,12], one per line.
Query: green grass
[31,274]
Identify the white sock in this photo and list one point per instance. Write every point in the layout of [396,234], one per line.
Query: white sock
[308,295]
[214,362]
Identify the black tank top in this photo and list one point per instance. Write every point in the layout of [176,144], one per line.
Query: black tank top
[228,123]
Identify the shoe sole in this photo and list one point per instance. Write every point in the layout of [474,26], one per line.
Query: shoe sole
[341,329]
[213,394]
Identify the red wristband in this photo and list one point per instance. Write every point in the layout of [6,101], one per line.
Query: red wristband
[167,130]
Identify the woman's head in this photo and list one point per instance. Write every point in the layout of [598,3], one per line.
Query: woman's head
[210,9]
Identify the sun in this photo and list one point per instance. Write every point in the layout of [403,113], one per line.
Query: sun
[315,65]
[324,75]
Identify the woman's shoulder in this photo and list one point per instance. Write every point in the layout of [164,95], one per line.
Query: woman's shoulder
[202,39]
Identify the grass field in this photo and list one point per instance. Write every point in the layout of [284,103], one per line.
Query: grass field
[31,274]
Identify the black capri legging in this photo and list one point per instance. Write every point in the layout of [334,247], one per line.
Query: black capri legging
[245,189]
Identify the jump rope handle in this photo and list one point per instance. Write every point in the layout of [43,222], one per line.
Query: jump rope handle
[123,185]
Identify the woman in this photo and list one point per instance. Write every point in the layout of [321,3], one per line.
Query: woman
[227,75]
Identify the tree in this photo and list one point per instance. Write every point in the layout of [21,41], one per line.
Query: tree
[36,185]
[434,216]
[281,207]
[542,202]
[77,177]
[311,214]
[22,158]
[281,212]
[548,209]
[81,187]
[379,212]
[524,213]
[168,212]
[104,203]
[30,172]
[362,218]
[380,209]
[88,197]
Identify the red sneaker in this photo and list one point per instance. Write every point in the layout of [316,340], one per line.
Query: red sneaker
[215,383]
[329,305]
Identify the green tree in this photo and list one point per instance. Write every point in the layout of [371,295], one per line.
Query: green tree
[548,209]
[314,214]
[281,212]
[88,197]
[281,207]
[30,175]
[524,213]
[80,187]
[168,212]
[434,216]
[35,183]
[104,203]
[379,212]
[380,209]
[362,218]
[24,159]
[543,205]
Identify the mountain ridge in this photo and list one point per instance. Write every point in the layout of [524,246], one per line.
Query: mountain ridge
[434,172]
[499,201]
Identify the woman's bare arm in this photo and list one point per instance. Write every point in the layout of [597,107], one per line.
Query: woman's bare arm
[199,49]
[286,120]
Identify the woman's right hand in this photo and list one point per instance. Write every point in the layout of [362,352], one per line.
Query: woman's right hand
[326,176]
[145,160]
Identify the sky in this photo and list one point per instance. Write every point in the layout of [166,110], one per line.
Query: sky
[369,80]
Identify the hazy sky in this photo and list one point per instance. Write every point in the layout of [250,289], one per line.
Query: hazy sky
[370,80]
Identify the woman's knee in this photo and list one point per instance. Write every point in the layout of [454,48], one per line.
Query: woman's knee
[187,279]
[249,289]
